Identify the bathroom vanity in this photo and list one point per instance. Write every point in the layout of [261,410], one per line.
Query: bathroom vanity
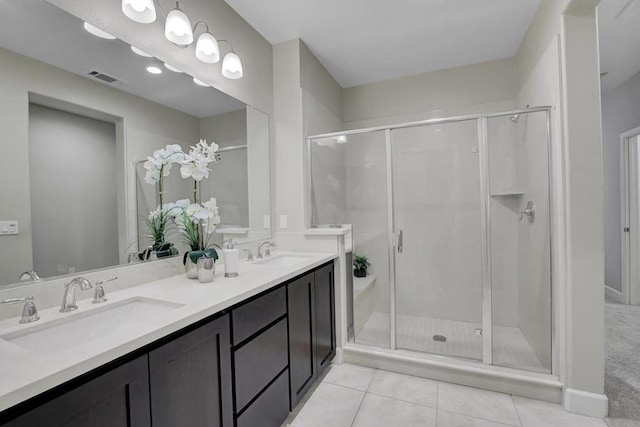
[236,352]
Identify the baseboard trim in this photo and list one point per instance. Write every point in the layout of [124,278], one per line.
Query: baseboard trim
[586,403]
[615,294]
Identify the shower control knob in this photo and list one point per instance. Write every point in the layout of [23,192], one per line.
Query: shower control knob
[529,211]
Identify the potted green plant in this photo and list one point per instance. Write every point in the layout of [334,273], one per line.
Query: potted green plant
[360,265]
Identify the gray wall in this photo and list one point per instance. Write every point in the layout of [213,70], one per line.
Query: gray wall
[73,192]
[471,89]
[620,113]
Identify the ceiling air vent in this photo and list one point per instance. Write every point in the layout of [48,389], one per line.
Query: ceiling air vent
[630,8]
[101,76]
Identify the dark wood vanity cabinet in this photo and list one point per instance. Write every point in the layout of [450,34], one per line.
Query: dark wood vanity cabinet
[190,378]
[246,367]
[118,398]
[260,359]
[325,339]
[312,342]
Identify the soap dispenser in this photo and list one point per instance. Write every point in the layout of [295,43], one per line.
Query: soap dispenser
[230,256]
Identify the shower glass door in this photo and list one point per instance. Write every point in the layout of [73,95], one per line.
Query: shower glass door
[437,221]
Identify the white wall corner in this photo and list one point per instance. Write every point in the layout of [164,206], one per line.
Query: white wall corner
[586,403]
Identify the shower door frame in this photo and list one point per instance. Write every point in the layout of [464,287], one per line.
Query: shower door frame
[485,218]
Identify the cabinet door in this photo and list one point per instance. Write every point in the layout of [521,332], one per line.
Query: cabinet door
[301,329]
[190,378]
[325,337]
[116,399]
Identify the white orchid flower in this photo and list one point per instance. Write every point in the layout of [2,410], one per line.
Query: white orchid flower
[162,160]
[155,213]
[195,164]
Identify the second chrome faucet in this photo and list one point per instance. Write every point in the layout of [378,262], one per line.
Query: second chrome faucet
[69,297]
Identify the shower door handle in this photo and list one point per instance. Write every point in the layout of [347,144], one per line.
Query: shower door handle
[400,238]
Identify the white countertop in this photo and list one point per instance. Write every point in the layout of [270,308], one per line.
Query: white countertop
[24,373]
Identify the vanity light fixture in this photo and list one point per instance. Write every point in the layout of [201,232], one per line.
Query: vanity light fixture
[232,66]
[142,11]
[98,32]
[172,68]
[207,49]
[177,27]
[154,70]
[140,52]
[200,82]
[342,139]
[179,31]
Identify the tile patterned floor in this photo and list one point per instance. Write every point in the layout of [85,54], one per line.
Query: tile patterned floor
[511,349]
[356,396]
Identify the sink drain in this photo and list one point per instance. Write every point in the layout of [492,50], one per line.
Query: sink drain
[440,338]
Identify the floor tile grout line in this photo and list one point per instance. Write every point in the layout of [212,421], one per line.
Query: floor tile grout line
[375,371]
[481,418]
[344,386]
[516,408]
[355,416]
[477,418]
[403,400]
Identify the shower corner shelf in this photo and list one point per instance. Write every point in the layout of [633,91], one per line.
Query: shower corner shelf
[511,193]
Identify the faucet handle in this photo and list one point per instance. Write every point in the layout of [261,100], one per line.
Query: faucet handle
[29,311]
[249,254]
[98,294]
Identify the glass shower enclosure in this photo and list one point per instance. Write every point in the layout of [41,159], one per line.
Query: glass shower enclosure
[454,217]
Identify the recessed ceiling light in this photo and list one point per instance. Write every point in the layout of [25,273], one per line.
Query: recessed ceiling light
[140,52]
[172,68]
[98,32]
[200,82]
[154,70]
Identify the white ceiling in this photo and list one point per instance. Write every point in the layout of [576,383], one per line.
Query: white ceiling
[39,30]
[365,41]
[619,34]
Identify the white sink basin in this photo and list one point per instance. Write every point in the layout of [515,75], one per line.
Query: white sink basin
[282,260]
[82,327]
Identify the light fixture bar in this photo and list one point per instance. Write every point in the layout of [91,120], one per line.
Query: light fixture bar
[178,30]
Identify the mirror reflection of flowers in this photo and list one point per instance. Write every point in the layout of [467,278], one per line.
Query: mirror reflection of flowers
[196,164]
[196,223]
[158,166]
[200,220]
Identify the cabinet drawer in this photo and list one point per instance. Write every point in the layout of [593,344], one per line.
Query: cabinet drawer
[271,408]
[259,361]
[255,315]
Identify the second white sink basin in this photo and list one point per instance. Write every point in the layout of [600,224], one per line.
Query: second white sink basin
[81,327]
[282,260]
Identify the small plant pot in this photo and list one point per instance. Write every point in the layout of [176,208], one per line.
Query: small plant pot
[360,272]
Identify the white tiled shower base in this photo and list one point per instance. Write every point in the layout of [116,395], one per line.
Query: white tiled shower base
[511,349]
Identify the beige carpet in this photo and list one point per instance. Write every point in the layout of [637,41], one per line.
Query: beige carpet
[622,368]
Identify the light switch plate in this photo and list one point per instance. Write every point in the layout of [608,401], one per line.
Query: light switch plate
[266,221]
[283,221]
[9,228]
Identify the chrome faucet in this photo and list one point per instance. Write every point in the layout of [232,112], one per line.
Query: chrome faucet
[30,276]
[29,312]
[69,298]
[269,244]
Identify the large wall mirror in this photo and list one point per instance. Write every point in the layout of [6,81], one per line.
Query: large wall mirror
[79,115]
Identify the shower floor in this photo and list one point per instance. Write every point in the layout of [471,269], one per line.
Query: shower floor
[511,349]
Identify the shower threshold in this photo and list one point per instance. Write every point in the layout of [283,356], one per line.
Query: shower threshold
[456,370]
[416,333]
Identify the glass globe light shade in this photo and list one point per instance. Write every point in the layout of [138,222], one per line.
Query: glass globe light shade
[207,49]
[232,66]
[142,11]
